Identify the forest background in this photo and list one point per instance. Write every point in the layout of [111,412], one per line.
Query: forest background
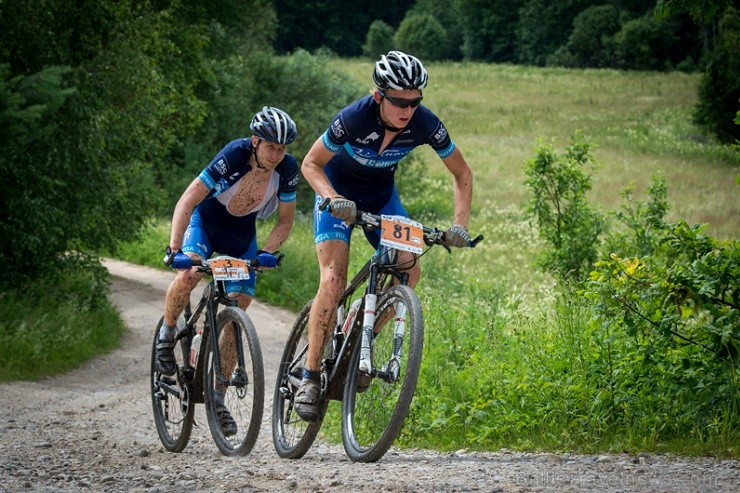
[623,311]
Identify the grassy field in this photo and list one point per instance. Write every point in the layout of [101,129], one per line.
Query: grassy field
[640,122]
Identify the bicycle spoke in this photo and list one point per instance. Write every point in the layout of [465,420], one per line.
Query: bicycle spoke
[373,417]
[234,384]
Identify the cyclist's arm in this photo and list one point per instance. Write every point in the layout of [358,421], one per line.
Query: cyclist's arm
[312,168]
[463,185]
[191,197]
[281,231]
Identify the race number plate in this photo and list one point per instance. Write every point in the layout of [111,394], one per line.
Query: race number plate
[401,233]
[229,269]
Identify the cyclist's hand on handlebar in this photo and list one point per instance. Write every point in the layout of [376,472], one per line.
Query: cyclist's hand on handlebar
[456,236]
[268,260]
[177,260]
[343,209]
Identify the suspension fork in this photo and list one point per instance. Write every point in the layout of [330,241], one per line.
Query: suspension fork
[368,320]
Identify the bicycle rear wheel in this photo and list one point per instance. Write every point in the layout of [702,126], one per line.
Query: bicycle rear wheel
[291,435]
[241,381]
[171,400]
[372,417]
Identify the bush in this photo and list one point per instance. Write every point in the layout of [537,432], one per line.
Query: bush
[423,36]
[590,42]
[644,44]
[379,40]
[559,206]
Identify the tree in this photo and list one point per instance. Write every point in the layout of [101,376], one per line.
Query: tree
[84,141]
[590,44]
[719,91]
[339,26]
[489,29]
[423,36]
[644,44]
[379,40]
[543,27]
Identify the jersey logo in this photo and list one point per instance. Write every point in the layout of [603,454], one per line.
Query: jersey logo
[221,166]
[441,133]
[337,129]
[370,138]
[293,181]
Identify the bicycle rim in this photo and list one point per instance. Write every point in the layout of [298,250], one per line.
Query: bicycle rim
[241,382]
[171,405]
[291,435]
[373,418]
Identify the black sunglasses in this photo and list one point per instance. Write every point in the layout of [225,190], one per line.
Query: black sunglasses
[402,102]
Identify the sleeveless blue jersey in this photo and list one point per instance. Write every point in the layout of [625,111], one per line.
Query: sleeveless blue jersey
[356,170]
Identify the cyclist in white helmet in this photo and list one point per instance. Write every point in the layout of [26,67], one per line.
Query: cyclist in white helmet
[248,178]
[353,163]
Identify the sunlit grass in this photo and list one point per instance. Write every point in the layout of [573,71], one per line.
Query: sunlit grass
[640,123]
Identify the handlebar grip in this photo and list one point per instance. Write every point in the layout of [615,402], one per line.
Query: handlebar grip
[475,241]
[325,204]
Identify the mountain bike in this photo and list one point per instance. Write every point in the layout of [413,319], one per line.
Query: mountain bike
[216,349]
[372,361]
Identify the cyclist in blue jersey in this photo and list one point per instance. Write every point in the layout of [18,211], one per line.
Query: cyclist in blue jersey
[248,179]
[353,163]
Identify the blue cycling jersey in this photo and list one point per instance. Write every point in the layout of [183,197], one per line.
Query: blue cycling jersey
[357,171]
[215,228]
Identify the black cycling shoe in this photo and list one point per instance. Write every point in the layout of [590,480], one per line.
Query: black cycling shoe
[166,363]
[228,425]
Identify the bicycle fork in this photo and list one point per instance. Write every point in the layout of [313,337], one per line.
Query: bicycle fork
[392,371]
[368,322]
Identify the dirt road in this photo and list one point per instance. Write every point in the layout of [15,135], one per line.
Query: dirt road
[92,430]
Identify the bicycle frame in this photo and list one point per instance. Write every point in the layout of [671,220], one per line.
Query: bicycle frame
[214,294]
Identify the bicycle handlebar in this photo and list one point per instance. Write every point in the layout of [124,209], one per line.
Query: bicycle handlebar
[432,236]
[205,264]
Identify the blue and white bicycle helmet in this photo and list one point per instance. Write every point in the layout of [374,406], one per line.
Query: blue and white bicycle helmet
[397,70]
[273,125]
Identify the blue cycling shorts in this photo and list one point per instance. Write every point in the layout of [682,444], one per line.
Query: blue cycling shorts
[197,240]
[327,227]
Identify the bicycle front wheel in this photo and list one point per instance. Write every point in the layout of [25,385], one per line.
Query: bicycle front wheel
[171,400]
[291,435]
[375,407]
[234,382]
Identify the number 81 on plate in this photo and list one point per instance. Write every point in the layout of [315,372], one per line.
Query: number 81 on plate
[401,233]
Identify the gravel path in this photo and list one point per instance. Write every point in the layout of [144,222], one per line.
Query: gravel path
[92,430]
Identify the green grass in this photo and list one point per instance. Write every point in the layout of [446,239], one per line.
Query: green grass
[56,326]
[639,121]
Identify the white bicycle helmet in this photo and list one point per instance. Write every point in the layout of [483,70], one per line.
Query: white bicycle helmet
[273,125]
[397,70]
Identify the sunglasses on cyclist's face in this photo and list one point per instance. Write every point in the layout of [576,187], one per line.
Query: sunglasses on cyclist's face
[402,102]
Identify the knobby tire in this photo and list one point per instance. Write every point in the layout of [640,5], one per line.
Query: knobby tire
[373,418]
[245,394]
[291,435]
[171,404]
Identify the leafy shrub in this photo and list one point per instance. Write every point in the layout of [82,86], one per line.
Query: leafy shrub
[590,42]
[379,40]
[423,36]
[644,44]
[560,208]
